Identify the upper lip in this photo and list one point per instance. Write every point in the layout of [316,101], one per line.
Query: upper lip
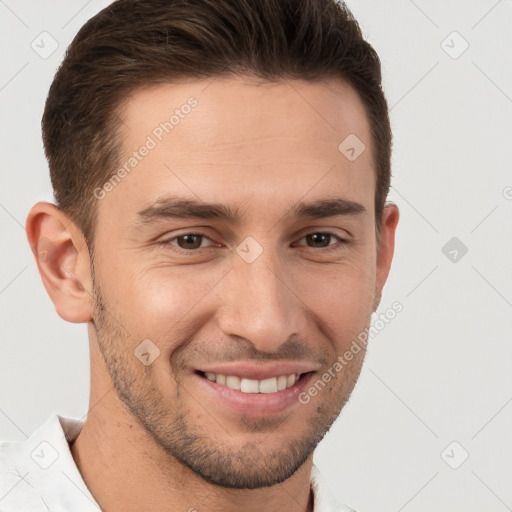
[251,370]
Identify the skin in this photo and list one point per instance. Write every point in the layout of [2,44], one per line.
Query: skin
[261,147]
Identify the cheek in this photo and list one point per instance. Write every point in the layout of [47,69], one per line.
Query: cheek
[163,303]
[342,299]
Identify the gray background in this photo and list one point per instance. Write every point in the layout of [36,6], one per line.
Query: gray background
[441,370]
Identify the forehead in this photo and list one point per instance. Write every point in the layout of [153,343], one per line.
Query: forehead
[227,109]
[233,139]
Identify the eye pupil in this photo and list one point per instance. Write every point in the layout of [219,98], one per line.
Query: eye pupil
[319,238]
[195,240]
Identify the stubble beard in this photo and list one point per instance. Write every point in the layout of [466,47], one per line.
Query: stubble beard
[249,466]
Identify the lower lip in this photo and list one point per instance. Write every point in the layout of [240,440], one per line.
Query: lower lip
[255,404]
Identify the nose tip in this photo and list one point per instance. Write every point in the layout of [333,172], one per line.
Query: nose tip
[259,306]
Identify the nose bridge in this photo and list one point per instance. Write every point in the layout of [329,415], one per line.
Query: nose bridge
[258,303]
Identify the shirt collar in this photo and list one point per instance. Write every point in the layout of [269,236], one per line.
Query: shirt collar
[323,499]
[40,472]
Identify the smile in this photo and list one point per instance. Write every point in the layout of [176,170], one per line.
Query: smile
[269,385]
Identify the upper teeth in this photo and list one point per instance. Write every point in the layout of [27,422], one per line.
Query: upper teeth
[270,385]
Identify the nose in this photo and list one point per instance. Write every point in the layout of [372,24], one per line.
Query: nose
[258,303]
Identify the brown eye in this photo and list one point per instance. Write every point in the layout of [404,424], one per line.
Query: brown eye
[319,239]
[323,242]
[189,241]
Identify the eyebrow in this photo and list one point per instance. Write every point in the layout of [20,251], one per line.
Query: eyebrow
[173,207]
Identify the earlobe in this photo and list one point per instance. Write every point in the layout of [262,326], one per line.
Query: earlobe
[386,248]
[62,258]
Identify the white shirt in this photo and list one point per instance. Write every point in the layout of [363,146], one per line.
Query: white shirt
[40,474]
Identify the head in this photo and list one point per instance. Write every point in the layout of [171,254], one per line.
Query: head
[220,171]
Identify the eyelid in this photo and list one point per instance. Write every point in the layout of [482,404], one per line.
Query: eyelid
[339,232]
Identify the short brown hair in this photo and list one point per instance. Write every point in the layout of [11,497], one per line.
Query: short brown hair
[133,43]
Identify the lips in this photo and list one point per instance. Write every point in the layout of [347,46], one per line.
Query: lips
[258,371]
[254,389]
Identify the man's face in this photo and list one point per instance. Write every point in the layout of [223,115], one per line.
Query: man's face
[265,296]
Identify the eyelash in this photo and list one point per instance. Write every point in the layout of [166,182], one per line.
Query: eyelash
[335,247]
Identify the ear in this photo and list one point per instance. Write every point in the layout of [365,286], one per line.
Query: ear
[62,258]
[385,249]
